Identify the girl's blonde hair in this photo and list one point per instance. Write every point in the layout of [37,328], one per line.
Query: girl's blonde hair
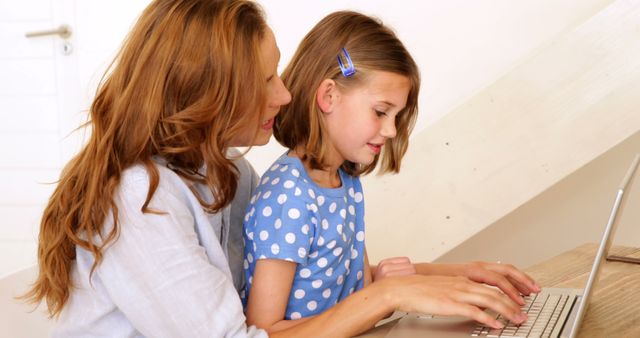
[372,47]
[187,81]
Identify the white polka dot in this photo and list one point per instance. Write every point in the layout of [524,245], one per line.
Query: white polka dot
[359,275]
[344,237]
[316,283]
[339,228]
[313,207]
[360,236]
[265,179]
[288,259]
[337,251]
[251,280]
[352,226]
[329,272]
[299,294]
[340,280]
[313,254]
[295,173]
[347,263]
[314,220]
[354,254]
[331,244]
[250,235]
[266,195]
[311,193]
[250,257]
[302,252]
[351,192]
[325,224]
[275,181]
[294,213]
[283,169]
[312,305]
[266,212]
[305,273]
[296,315]
[290,238]
[320,241]
[261,256]
[326,293]
[305,229]
[320,200]
[322,262]
[246,264]
[358,197]
[274,167]
[255,248]
[277,224]
[246,217]
[332,207]
[288,184]
[282,198]
[264,235]
[352,210]
[351,291]
[298,192]
[275,249]
[253,199]
[343,213]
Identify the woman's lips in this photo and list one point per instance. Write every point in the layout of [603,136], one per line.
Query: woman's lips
[268,124]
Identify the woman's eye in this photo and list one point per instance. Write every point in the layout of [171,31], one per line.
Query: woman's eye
[380,113]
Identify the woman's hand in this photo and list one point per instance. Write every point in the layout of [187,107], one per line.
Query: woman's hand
[506,277]
[452,296]
[394,266]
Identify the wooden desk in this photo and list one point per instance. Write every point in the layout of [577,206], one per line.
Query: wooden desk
[615,304]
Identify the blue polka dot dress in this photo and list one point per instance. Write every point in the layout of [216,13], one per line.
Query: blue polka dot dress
[321,229]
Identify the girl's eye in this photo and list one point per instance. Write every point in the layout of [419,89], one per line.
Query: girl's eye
[270,78]
[380,113]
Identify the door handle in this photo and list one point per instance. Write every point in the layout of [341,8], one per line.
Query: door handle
[63,31]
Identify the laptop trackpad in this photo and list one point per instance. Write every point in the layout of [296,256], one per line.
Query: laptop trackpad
[415,325]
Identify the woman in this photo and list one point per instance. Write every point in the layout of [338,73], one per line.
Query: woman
[142,235]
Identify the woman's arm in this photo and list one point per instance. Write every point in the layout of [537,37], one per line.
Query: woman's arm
[507,277]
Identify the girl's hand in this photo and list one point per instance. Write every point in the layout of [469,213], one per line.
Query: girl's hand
[452,296]
[394,266]
[507,277]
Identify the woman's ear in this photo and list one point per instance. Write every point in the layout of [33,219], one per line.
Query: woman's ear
[326,95]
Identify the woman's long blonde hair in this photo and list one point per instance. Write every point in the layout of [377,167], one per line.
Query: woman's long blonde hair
[186,82]
[372,47]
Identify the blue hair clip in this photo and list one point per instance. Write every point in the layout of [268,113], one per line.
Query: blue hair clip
[348,70]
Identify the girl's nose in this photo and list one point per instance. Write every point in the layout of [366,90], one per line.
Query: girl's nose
[388,129]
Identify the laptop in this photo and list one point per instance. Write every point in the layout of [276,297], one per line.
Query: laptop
[554,312]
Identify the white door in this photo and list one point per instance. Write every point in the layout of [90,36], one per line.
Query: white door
[46,85]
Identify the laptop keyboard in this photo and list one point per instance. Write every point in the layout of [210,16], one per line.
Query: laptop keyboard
[543,310]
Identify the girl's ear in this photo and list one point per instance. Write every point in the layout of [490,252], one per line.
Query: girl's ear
[326,95]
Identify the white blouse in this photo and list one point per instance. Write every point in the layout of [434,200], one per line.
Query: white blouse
[175,274]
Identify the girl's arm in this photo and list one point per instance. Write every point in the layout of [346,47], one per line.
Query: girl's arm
[424,294]
[267,303]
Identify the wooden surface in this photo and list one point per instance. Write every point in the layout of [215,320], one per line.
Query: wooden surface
[615,305]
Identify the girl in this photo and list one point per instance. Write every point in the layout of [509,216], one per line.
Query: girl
[355,93]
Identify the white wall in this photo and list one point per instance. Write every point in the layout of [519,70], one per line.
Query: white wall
[570,213]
